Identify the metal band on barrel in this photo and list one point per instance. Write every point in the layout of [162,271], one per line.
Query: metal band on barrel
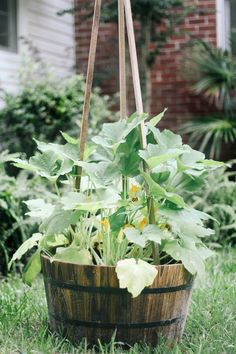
[95,324]
[110,290]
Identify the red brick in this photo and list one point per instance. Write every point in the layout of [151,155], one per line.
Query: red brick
[169,88]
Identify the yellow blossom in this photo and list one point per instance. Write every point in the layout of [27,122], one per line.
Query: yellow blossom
[142,224]
[134,189]
[105,223]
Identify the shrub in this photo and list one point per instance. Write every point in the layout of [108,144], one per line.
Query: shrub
[45,106]
[15,227]
[218,198]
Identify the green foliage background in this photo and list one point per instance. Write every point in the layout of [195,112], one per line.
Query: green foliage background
[218,198]
[45,105]
[212,73]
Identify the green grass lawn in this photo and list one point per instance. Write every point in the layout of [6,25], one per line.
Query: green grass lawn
[211,325]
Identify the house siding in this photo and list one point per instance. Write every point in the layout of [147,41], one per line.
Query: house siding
[51,34]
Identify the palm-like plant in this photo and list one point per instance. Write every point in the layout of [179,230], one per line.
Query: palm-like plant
[210,132]
[213,71]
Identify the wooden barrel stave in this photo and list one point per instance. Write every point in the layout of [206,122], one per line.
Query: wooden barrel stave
[85,301]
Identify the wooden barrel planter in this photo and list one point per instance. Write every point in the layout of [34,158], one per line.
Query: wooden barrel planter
[86,301]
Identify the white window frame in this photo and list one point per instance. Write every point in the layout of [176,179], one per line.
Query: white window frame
[22,27]
[13,27]
[223,24]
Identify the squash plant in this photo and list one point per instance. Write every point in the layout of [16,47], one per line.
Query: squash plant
[133,226]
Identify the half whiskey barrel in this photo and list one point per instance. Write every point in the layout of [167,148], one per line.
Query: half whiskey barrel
[86,301]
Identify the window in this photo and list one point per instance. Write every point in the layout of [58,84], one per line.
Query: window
[233,25]
[8,25]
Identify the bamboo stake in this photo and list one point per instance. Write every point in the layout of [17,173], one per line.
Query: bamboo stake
[122,61]
[134,68]
[122,76]
[88,88]
[139,108]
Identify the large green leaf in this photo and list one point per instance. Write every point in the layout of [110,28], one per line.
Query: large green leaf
[25,247]
[192,157]
[155,155]
[59,221]
[168,139]
[160,177]
[155,120]
[50,242]
[135,275]
[190,183]
[103,154]
[72,199]
[129,164]
[127,157]
[103,198]
[153,233]
[39,208]
[191,163]
[74,153]
[118,219]
[186,222]
[24,165]
[135,236]
[101,174]
[73,255]
[67,151]
[213,163]
[69,139]
[149,233]
[203,251]
[32,269]
[157,191]
[47,164]
[189,257]
[113,134]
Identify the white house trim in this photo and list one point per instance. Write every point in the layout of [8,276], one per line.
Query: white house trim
[223,23]
[22,24]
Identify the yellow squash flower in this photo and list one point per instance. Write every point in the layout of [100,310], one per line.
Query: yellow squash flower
[134,189]
[106,225]
[133,192]
[142,224]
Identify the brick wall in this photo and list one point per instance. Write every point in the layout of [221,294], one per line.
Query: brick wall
[107,64]
[169,89]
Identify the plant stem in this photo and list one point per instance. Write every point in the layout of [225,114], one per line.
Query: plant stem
[152,220]
[57,189]
[125,186]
